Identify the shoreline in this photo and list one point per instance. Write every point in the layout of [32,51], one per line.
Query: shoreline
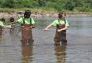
[41,15]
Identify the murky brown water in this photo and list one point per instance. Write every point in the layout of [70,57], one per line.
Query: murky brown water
[43,50]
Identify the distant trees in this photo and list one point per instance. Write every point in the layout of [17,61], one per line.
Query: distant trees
[7,3]
[42,3]
[78,5]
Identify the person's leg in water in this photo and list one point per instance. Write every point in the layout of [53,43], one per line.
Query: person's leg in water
[31,38]
[27,38]
[57,38]
[63,38]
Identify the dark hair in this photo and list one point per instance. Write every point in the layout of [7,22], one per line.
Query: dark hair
[11,19]
[2,19]
[61,15]
[27,14]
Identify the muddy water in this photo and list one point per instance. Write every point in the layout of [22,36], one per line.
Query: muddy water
[43,50]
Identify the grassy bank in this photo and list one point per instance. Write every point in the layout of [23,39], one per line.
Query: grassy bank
[39,10]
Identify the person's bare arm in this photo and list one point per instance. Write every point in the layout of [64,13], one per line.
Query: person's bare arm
[47,28]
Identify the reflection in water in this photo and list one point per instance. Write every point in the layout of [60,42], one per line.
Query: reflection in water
[14,34]
[60,52]
[79,47]
[27,53]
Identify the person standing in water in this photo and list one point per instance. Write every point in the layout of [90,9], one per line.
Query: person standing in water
[27,23]
[3,25]
[61,25]
[12,21]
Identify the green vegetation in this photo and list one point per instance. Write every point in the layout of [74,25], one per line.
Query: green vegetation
[48,5]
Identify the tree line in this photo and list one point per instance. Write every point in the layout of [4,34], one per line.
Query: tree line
[69,5]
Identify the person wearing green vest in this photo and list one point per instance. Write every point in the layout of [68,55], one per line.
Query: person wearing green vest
[61,25]
[27,24]
[2,20]
[1,26]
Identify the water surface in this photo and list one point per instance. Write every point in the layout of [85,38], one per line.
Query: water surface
[43,50]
